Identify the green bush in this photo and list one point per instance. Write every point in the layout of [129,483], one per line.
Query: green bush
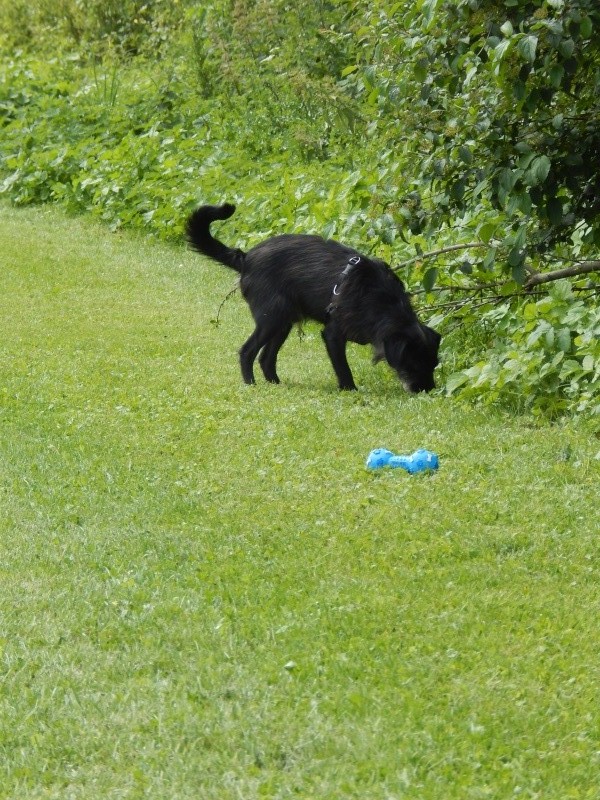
[129,26]
[544,356]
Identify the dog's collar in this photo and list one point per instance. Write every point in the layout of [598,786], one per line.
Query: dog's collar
[352,262]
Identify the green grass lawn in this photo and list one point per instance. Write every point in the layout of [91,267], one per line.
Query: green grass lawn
[204,594]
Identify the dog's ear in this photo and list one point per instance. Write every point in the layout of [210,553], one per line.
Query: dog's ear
[432,335]
[396,273]
[393,351]
[424,335]
[378,353]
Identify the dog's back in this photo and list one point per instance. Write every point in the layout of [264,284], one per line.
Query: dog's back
[303,269]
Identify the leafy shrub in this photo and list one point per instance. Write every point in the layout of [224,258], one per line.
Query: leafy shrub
[544,356]
[501,102]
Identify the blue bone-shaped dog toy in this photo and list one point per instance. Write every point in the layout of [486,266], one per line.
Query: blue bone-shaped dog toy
[419,461]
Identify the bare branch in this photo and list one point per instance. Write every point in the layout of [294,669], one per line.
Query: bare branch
[582,268]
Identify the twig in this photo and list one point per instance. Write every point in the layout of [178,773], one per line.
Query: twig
[216,322]
[494,299]
[433,253]
[480,287]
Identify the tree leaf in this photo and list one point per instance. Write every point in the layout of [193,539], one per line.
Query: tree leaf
[518,274]
[554,210]
[458,190]
[465,154]
[488,262]
[557,73]
[527,48]
[507,179]
[561,290]
[502,49]
[588,363]
[538,171]
[515,257]
[566,48]
[487,231]
[429,278]
[585,28]
[563,340]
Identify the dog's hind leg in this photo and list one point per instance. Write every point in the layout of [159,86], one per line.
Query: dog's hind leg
[263,335]
[248,353]
[268,356]
[335,342]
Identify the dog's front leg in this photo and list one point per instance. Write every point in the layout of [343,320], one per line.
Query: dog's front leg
[335,342]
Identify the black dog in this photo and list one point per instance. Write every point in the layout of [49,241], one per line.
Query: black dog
[293,277]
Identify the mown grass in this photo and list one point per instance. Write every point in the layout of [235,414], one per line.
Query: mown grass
[204,594]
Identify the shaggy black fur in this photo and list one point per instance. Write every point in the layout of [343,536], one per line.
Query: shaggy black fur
[292,277]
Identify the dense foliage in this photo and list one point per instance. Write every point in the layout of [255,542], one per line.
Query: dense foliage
[504,102]
[403,127]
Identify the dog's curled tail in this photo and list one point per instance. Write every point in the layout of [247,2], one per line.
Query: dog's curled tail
[198,234]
